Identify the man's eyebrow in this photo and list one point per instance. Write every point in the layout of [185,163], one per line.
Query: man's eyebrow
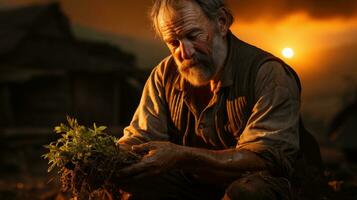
[168,38]
[188,32]
[194,30]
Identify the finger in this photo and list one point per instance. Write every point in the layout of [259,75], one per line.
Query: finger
[142,148]
[124,146]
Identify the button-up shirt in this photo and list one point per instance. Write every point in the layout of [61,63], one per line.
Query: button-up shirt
[271,131]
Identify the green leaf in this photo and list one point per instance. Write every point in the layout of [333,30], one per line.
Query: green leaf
[58,129]
[50,168]
[101,128]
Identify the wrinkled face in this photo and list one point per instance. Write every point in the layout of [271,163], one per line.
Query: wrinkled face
[191,38]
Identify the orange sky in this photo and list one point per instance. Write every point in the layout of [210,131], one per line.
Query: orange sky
[287,27]
[323,34]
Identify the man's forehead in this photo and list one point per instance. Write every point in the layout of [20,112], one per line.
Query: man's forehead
[187,13]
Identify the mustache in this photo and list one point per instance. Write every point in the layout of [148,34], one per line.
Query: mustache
[197,59]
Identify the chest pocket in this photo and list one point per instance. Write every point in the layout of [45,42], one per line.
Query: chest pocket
[231,119]
[179,116]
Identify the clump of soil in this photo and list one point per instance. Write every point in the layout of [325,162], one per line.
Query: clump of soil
[88,160]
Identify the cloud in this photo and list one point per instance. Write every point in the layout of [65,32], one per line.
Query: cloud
[249,10]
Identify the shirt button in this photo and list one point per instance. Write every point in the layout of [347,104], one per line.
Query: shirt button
[201,125]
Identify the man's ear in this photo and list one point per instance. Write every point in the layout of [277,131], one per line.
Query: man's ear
[223,21]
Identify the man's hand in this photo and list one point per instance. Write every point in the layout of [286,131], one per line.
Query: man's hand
[158,157]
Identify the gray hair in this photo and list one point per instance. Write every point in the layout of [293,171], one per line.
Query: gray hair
[209,7]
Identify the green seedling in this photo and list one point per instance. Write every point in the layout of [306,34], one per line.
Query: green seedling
[87,159]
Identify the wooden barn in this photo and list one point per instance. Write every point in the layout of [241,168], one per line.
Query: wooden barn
[46,73]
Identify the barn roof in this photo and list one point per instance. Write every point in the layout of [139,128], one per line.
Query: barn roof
[40,37]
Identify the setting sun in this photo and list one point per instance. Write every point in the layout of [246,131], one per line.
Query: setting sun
[288,52]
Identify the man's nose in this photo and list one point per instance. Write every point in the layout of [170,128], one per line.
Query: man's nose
[186,49]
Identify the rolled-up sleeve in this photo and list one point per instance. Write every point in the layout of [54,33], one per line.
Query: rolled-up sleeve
[272,130]
[149,122]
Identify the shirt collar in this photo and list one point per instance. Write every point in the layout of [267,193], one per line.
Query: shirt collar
[225,77]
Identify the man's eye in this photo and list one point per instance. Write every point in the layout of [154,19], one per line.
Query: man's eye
[174,43]
[193,36]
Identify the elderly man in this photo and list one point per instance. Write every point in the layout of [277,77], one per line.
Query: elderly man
[218,118]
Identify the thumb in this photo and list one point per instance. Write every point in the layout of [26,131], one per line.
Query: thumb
[141,148]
